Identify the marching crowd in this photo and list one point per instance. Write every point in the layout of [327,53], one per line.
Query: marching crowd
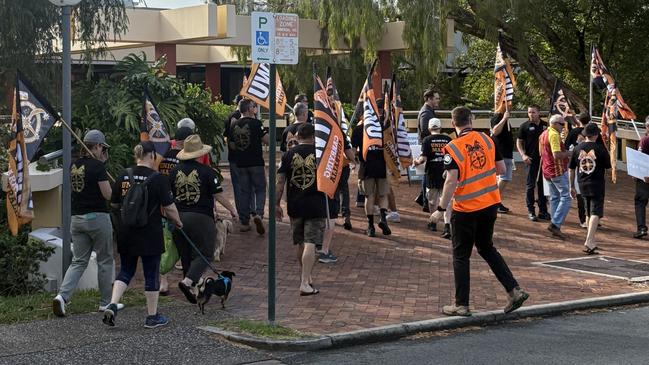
[171,199]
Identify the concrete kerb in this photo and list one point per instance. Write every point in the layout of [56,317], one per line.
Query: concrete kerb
[391,332]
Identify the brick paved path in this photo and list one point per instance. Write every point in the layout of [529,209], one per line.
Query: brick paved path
[408,276]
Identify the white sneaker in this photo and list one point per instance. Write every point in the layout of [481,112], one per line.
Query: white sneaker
[58,306]
[102,308]
[393,217]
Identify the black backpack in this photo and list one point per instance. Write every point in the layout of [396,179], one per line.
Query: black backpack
[134,206]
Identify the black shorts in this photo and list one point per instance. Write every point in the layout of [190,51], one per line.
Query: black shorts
[594,205]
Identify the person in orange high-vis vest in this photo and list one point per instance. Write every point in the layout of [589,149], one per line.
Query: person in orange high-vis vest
[472,162]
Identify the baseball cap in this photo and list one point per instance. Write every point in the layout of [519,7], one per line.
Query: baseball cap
[147,146]
[182,133]
[434,123]
[95,136]
[186,122]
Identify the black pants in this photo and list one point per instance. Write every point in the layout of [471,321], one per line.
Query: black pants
[533,181]
[341,198]
[201,230]
[641,198]
[476,228]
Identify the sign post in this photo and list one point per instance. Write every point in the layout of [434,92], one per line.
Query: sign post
[274,40]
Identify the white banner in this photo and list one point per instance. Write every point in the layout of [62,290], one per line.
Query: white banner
[637,163]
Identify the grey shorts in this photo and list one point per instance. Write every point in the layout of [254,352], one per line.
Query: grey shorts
[308,230]
[509,169]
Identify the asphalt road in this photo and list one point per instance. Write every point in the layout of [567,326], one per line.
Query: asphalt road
[612,337]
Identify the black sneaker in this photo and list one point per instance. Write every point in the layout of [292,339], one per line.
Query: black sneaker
[259,225]
[425,209]
[384,228]
[532,217]
[109,315]
[327,258]
[432,227]
[348,224]
[544,216]
[188,292]
[556,231]
[447,232]
[641,233]
[371,232]
[502,209]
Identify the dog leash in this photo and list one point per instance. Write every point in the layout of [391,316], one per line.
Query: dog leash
[199,252]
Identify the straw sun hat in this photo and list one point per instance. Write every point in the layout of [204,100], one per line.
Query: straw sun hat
[193,148]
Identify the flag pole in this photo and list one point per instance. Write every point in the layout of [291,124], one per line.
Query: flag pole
[590,86]
[83,145]
[636,128]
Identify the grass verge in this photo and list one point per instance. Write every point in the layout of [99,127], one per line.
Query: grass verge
[260,329]
[38,306]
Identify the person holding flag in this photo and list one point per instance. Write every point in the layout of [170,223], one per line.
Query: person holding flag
[501,130]
[91,226]
[247,135]
[372,172]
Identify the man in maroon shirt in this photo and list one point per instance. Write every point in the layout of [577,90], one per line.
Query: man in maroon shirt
[642,189]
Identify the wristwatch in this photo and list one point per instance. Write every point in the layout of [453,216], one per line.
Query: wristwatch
[440,209]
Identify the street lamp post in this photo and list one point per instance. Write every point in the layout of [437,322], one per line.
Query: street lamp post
[66,10]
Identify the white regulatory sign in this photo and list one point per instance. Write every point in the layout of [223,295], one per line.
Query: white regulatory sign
[274,38]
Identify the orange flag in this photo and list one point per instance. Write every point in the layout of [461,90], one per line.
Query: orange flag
[504,83]
[329,141]
[372,129]
[257,88]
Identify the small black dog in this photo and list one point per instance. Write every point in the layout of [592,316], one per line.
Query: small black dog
[219,286]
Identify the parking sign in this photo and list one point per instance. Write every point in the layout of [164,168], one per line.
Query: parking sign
[274,38]
[262,32]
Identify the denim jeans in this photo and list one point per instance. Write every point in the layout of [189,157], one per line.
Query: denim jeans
[560,199]
[150,269]
[91,232]
[252,185]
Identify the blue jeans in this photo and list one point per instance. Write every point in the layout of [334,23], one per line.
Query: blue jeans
[150,268]
[560,199]
[252,185]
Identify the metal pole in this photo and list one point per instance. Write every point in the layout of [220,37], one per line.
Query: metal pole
[67,115]
[590,87]
[271,199]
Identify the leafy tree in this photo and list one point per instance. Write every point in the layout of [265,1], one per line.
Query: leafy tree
[29,32]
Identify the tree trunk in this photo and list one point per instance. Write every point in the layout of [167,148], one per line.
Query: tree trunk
[466,23]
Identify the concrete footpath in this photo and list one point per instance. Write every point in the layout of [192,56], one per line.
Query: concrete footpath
[380,288]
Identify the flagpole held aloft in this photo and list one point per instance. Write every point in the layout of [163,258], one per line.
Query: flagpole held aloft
[83,145]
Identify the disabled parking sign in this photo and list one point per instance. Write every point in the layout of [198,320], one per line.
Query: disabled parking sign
[274,38]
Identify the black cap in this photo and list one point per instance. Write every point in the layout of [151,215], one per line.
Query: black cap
[590,130]
[147,146]
[182,133]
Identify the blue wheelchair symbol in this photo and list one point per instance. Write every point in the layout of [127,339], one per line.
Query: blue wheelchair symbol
[261,38]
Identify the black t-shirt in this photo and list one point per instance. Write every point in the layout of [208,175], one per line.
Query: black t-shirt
[302,195]
[374,166]
[85,175]
[169,161]
[147,240]
[245,139]
[425,113]
[432,147]
[450,164]
[194,186]
[292,129]
[529,132]
[591,160]
[504,139]
[572,137]
[234,116]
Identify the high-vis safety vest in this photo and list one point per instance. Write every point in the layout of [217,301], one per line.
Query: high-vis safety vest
[475,155]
